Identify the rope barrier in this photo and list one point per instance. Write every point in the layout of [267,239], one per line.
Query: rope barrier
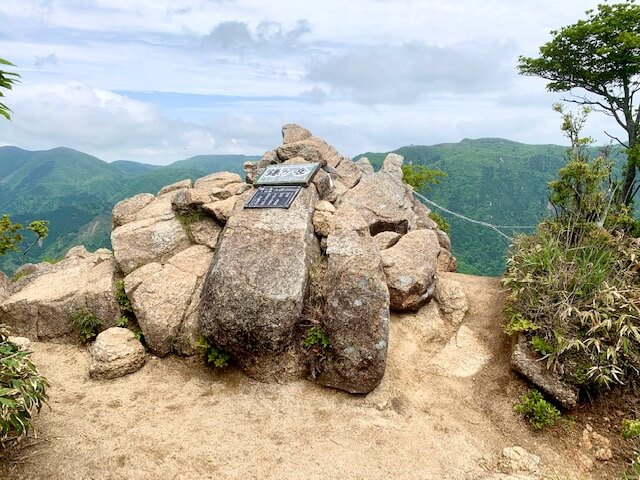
[478,222]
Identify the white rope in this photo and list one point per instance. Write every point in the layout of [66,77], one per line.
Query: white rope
[478,222]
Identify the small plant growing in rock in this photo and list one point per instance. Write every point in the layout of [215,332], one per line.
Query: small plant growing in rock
[630,429]
[537,410]
[23,390]
[316,338]
[122,322]
[213,355]
[122,298]
[87,325]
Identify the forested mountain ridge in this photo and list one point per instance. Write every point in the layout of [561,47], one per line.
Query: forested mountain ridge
[75,192]
[489,179]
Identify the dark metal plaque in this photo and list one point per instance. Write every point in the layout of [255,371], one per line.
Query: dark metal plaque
[273,197]
[288,174]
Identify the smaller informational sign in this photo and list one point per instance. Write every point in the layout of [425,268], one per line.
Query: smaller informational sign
[293,174]
[273,197]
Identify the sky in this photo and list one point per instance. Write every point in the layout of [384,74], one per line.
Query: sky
[156,81]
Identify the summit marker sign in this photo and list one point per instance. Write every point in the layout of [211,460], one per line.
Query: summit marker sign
[292,174]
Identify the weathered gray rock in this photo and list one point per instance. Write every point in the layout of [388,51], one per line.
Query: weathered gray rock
[160,208]
[222,209]
[250,172]
[144,241]
[205,232]
[393,165]
[190,331]
[115,353]
[446,261]
[5,286]
[255,290]
[22,342]
[126,210]
[311,149]
[217,180]
[43,307]
[525,362]
[356,319]
[189,199]
[221,193]
[294,133]
[451,299]
[237,188]
[323,218]
[443,239]
[324,184]
[411,282]
[365,166]
[336,194]
[386,240]
[348,173]
[383,201]
[515,460]
[161,294]
[176,186]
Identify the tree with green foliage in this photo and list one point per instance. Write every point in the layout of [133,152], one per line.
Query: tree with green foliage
[12,234]
[597,60]
[7,80]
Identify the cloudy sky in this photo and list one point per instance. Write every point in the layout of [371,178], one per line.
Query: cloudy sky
[156,81]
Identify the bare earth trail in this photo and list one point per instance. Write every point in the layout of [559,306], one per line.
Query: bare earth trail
[437,415]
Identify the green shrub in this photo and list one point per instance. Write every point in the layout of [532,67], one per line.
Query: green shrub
[537,410]
[23,391]
[441,222]
[630,429]
[578,296]
[420,177]
[316,338]
[87,325]
[213,355]
[122,298]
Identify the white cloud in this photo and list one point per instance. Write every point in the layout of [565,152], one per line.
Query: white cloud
[367,74]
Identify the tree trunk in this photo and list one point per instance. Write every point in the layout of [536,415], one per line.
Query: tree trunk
[630,175]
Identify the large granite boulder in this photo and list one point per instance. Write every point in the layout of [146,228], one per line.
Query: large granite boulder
[161,294]
[356,318]
[42,306]
[411,282]
[255,290]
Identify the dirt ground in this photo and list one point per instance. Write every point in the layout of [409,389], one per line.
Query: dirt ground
[443,411]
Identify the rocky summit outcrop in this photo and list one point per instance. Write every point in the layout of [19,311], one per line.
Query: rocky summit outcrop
[288,293]
[45,299]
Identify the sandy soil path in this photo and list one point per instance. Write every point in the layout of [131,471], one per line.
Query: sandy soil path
[439,414]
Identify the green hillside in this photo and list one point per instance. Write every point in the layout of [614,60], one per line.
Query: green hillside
[493,180]
[76,192]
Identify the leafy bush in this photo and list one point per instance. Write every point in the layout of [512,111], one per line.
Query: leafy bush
[213,355]
[316,338]
[87,325]
[419,176]
[578,303]
[537,410]
[630,429]
[23,390]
